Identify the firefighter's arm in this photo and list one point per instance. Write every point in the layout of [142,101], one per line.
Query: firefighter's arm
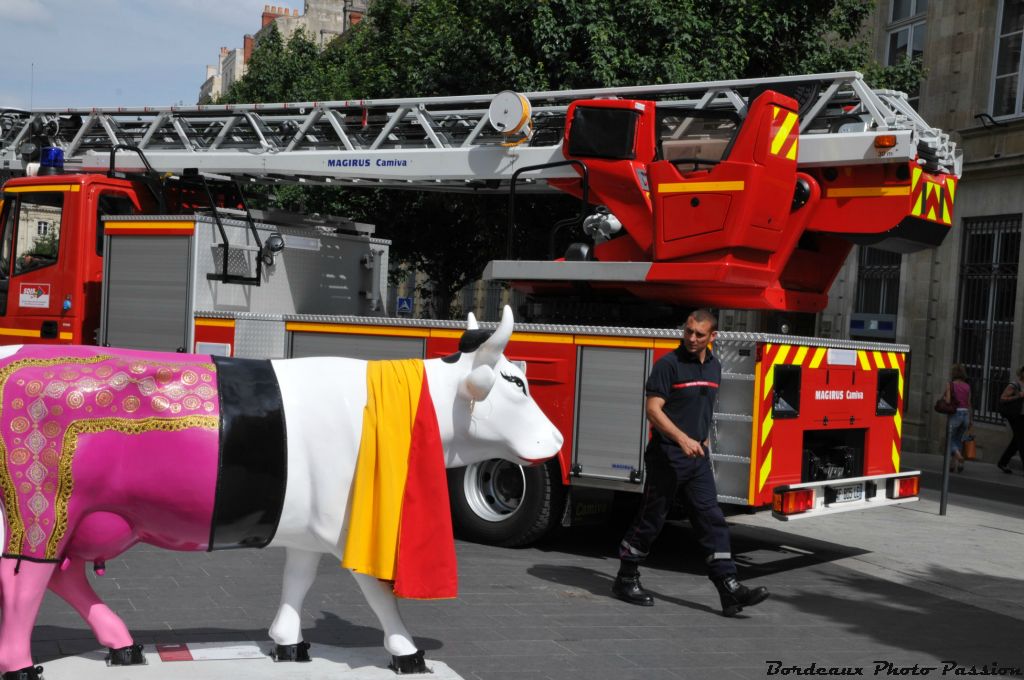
[663,424]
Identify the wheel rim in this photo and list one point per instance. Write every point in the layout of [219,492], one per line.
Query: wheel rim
[494,489]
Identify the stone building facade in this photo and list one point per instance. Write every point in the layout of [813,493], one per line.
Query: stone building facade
[963,302]
[322,21]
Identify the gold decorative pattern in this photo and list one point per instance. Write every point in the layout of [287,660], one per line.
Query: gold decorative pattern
[15,520]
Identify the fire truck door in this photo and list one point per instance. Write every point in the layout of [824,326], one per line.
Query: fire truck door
[33,268]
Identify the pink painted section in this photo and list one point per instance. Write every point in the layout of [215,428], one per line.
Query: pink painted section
[20,597]
[130,480]
[73,586]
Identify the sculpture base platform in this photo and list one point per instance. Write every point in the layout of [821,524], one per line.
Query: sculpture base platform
[329,663]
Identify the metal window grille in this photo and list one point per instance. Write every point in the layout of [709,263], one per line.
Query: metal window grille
[878,281]
[988,296]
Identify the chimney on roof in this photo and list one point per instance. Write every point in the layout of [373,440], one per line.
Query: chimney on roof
[247,45]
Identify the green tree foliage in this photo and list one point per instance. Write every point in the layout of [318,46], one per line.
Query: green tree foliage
[410,48]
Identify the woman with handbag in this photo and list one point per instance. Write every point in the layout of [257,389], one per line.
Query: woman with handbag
[961,421]
[1010,408]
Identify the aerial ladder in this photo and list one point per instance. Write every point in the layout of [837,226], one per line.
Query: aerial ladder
[742,193]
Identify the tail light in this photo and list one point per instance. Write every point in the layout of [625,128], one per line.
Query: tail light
[793,502]
[903,487]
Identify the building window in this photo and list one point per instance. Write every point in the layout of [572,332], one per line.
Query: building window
[42,228]
[1006,91]
[906,30]
[988,296]
[878,292]
[907,33]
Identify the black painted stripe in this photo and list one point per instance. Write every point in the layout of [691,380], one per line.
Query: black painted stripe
[253,467]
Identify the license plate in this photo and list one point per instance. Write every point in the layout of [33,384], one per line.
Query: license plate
[845,494]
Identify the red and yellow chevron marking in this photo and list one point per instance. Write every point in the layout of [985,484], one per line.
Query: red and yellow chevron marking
[930,198]
[763,449]
[785,134]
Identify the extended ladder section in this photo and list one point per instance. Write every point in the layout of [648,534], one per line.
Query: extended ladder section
[745,193]
[447,142]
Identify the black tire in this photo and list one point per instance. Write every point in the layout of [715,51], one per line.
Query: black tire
[504,504]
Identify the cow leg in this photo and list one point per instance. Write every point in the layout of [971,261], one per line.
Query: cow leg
[381,598]
[21,595]
[72,585]
[286,630]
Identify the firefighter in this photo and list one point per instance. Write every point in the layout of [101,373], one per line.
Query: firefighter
[681,392]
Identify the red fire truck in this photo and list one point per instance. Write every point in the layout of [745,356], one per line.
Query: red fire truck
[740,194]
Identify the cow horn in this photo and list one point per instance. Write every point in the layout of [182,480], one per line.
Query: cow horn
[491,350]
[471,324]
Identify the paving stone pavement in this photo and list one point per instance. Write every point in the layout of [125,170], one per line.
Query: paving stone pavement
[899,585]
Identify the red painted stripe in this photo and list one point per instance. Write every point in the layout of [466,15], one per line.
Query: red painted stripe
[696,383]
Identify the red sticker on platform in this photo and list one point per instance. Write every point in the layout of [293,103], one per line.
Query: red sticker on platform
[174,652]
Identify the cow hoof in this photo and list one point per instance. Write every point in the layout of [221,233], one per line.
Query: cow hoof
[297,652]
[409,663]
[126,656]
[27,673]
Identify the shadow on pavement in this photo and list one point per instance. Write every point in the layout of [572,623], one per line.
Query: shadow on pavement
[328,629]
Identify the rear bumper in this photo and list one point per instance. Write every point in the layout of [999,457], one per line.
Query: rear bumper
[876,491]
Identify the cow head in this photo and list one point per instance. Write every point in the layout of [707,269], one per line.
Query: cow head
[491,412]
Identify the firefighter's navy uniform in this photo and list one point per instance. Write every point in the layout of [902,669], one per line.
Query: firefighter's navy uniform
[689,389]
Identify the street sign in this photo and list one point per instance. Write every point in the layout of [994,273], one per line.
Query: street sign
[404,306]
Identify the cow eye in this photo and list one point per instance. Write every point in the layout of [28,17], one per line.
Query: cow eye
[515,380]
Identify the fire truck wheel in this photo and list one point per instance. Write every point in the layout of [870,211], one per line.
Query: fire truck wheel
[501,503]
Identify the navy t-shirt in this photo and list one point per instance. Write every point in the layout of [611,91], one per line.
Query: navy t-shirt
[689,389]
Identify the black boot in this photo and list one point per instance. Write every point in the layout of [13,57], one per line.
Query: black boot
[27,673]
[735,596]
[628,589]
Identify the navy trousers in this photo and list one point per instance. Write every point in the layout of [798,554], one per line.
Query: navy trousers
[695,479]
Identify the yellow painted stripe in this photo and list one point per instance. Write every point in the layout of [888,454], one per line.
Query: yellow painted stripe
[819,356]
[879,360]
[769,379]
[895,457]
[898,420]
[783,133]
[792,153]
[175,226]
[693,187]
[441,333]
[666,344]
[26,333]
[915,176]
[899,384]
[219,323]
[865,192]
[862,357]
[951,188]
[766,469]
[73,188]
[894,361]
[766,427]
[355,330]
[754,446]
[801,353]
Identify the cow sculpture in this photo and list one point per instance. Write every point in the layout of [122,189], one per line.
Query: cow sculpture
[101,449]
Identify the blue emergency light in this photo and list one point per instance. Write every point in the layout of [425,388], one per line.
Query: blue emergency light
[51,161]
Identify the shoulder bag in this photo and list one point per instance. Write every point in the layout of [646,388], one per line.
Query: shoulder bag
[946,407]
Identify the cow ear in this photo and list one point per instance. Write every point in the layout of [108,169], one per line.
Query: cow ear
[491,350]
[478,383]
[471,324]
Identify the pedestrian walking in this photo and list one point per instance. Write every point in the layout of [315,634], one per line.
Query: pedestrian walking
[681,393]
[961,422]
[1010,408]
